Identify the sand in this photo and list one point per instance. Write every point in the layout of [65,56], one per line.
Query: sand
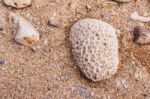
[52,73]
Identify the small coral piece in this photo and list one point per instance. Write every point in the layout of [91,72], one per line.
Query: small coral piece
[95,48]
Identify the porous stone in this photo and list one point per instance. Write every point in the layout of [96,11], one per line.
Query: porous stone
[95,48]
[24,31]
[18,3]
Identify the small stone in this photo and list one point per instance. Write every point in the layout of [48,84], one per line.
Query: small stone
[24,31]
[2,61]
[122,83]
[123,1]
[34,49]
[95,48]
[141,35]
[136,17]
[83,91]
[88,6]
[18,3]
[54,22]
[62,77]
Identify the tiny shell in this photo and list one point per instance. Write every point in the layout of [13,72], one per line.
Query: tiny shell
[25,33]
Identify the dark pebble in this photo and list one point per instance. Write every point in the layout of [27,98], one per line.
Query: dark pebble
[2,61]
[141,35]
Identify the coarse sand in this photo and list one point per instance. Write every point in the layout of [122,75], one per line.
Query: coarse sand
[51,72]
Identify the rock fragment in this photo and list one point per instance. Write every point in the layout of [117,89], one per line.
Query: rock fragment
[136,17]
[95,48]
[25,33]
[18,3]
[142,35]
[82,91]
[54,22]
[89,7]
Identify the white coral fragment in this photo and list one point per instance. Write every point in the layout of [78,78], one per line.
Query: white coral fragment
[95,48]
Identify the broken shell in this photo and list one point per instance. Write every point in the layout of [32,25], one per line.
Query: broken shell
[26,34]
[142,35]
[136,17]
[18,3]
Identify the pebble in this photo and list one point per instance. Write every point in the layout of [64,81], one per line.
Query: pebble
[136,17]
[62,77]
[88,6]
[24,31]
[95,48]
[18,3]
[53,22]
[83,91]
[142,35]
[34,49]
[2,61]
[123,1]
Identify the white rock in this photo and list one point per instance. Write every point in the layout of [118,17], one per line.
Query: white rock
[26,34]
[18,3]
[136,17]
[95,48]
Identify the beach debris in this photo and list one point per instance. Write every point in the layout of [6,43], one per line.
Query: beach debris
[82,91]
[17,3]
[95,48]
[55,22]
[24,31]
[141,35]
[136,17]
